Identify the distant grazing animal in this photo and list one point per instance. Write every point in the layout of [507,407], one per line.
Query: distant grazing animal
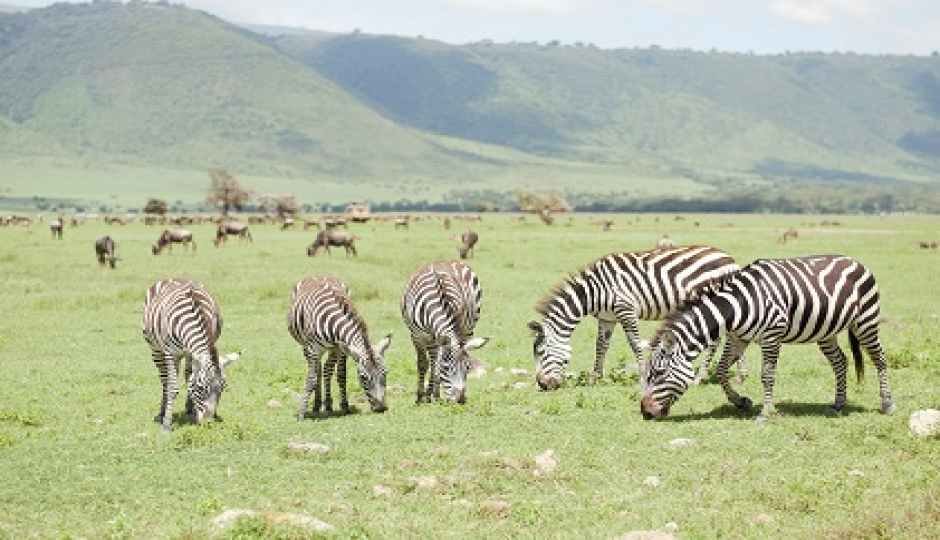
[441,306]
[326,239]
[322,319]
[789,234]
[621,287]
[665,242]
[771,302]
[104,250]
[56,227]
[288,223]
[235,228]
[183,322]
[467,240]
[447,223]
[174,236]
[401,222]
[928,245]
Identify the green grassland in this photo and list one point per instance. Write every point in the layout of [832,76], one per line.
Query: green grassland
[82,457]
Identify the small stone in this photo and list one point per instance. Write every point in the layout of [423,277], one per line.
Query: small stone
[652,481]
[519,372]
[925,423]
[308,448]
[424,482]
[677,443]
[519,385]
[764,518]
[856,472]
[498,509]
[647,535]
[671,527]
[545,463]
[382,491]
[274,404]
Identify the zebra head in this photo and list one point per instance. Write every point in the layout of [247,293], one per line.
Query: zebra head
[665,377]
[372,372]
[454,363]
[551,357]
[207,384]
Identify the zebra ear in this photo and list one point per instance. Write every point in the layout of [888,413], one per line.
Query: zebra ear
[383,344]
[536,328]
[230,357]
[476,343]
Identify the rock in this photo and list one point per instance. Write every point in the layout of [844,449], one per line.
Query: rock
[519,385]
[856,472]
[545,463]
[519,372]
[925,423]
[676,443]
[424,482]
[229,517]
[274,404]
[308,448]
[764,518]
[382,491]
[498,509]
[652,481]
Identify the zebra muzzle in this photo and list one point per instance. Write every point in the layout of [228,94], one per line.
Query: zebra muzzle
[547,382]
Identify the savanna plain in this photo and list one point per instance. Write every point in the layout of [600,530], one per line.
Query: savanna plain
[80,455]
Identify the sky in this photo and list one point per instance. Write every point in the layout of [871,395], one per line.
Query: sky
[757,26]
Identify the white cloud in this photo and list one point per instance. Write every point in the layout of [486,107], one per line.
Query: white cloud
[803,12]
[682,7]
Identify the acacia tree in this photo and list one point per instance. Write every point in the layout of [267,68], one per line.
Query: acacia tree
[225,191]
[283,205]
[155,206]
[542,204]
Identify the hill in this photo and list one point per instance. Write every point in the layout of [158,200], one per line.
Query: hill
[118,95]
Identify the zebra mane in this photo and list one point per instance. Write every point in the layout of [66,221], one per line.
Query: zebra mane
[572,279]
[693,298]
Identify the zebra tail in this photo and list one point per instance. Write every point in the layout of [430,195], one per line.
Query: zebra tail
[859,360]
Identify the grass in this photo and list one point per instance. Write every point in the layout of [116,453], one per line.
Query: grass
[83,459]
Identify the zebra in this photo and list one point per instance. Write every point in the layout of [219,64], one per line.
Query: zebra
[182,320]
[771,301]
[625,287]
[322,318]
[441,306]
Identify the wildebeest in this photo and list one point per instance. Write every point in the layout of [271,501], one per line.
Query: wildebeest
[174,236]
[56,227]
[401,222]
[468,240]
[234,228]
[104,249]
[788,235]
[330,237]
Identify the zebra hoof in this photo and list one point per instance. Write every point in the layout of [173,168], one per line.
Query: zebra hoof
[890,408]
[744,404]
[833,412]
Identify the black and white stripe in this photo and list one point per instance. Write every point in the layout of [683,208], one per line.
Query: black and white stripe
[625,287]
[322,318]
[441,306]
[182,320]
[800,300]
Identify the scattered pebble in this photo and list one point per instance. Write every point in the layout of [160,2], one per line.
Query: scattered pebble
[647,535]
[545,463]
[520,385]
[925,423]
[652,481]
[382,491]
[498,509]
[676,443]
[764,518]
[856,472]
[274,404]
[519,372]
[308,448]
[424,482]
[231,516]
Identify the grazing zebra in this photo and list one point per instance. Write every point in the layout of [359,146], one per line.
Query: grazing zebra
[182,320]
[441,306]
[322,318]
[771,301]
[625,287]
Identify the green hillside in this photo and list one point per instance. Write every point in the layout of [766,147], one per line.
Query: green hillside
[798,115]
[114,102]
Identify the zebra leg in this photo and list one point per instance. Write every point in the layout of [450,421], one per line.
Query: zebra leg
[190,410]
[770,350]
[733,350]
[338,360]
[422,365]
[434,379]
[170,389]
[328,369]
[830,348]
[631,327]
[312,383]
[604,330]
[873,345]
[704,367]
